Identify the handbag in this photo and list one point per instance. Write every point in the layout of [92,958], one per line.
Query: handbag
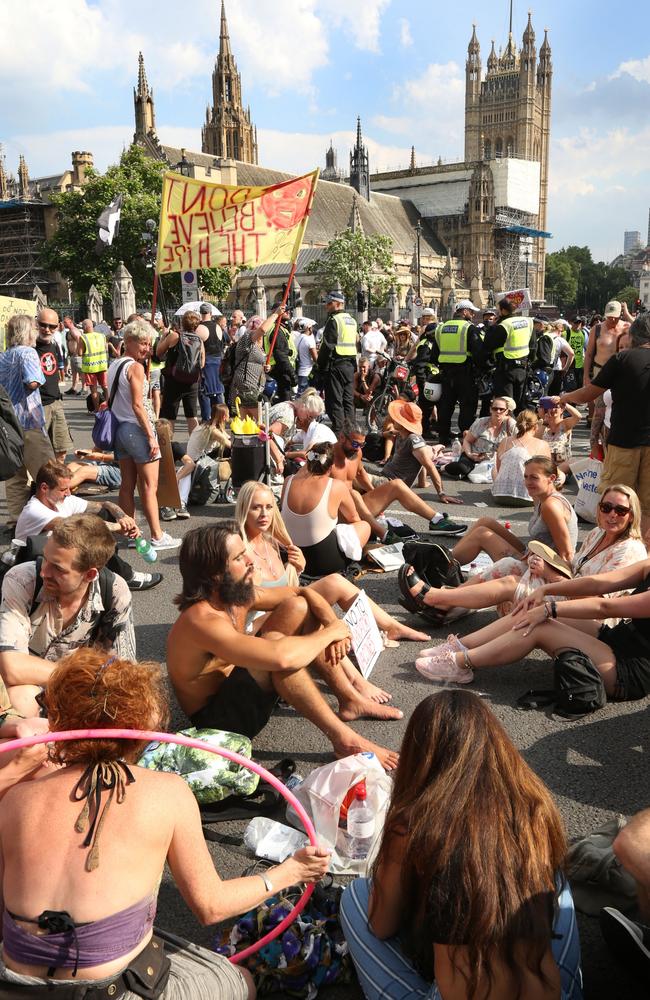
[310,954]
[105,426]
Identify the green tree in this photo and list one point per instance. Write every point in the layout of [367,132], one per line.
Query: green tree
[596,282]
[357,262]
[71,250]
[561,280]
[628,294]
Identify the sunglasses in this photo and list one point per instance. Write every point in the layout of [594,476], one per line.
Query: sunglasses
[355,445]
[618,508]
[48,326]
[498,409]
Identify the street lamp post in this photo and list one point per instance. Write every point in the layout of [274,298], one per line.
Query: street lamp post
[184,166]
[527,256]
[418,235]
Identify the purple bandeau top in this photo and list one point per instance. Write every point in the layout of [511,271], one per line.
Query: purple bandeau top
[87,945]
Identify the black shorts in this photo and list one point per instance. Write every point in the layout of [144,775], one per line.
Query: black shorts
[632,667]
[172,394]
[239,706]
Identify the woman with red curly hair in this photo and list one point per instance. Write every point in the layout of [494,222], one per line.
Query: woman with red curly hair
[82,853]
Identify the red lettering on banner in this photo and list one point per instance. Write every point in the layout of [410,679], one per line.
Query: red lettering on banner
[247,216]
[171,184]
[217,199]
[188,202]
[203,248]
[237,247]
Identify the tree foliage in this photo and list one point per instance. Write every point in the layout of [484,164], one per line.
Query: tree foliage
[357,262]
[575,280]
[628,294]
[71,250]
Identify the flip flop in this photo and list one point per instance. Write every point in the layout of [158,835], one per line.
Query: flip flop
[263,802]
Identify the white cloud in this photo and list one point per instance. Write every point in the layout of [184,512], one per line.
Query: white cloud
[360,19]
[49,153]
[639,69]
[405,36]
[301,151]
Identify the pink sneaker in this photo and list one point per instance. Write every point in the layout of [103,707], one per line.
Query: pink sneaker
[451,642]
[443,667]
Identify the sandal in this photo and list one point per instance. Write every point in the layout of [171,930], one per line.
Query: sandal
[407,578]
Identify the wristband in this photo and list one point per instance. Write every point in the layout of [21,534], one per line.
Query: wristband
[268,885]
[553,609]
[547,609]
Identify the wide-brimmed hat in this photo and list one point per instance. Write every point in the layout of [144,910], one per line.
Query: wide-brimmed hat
[407,415]
[546,553]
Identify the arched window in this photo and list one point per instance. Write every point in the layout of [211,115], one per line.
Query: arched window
[498,149]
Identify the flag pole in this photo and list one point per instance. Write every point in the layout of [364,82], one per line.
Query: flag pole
[281,309]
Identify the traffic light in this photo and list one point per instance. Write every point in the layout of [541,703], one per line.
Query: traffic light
[361,301]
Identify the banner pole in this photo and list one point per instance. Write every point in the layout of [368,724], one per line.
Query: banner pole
[281,309]
[154,297]
[293,269]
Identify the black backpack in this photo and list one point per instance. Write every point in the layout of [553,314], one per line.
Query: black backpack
[579,689]
[11,438]
[545,351]
[228,365]
[187,365]
[205,482]
[436,566]
[373,449]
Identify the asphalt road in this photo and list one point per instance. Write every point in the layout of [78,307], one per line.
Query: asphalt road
[595,768]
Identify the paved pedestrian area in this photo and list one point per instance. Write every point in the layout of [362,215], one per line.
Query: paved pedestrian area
[595,768]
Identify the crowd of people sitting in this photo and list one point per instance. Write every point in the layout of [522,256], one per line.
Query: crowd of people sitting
[467,894]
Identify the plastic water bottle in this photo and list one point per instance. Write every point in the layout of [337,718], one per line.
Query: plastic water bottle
[144,547]
[456,449]
[361,824]
[294,781]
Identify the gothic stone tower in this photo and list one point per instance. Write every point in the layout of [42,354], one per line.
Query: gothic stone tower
[143,106]
[360,166]
[509,112]
[228,131]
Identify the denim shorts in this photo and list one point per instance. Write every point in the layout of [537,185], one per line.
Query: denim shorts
[109,476]
[131,442]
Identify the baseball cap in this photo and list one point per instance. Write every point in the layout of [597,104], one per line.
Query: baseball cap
[613,308]
[466,304]
[335,297]
[305,322]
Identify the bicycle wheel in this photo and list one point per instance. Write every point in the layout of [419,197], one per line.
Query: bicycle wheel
[377,413]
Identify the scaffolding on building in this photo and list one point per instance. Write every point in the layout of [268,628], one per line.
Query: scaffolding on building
[22,235]
[515,246]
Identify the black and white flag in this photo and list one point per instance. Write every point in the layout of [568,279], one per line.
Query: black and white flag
[108,224]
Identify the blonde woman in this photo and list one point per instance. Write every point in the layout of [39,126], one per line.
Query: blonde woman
[264,530]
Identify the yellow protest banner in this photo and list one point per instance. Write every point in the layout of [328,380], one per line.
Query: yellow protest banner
[220,225]
[9,307]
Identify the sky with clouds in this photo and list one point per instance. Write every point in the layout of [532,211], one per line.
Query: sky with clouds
[309,67]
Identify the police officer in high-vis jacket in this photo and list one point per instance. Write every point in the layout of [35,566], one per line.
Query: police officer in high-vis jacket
[337,360]
[456,351]
[510,342]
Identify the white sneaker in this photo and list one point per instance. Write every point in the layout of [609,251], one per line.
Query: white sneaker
[166,542]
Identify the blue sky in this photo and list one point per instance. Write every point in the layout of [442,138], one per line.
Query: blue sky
[67,69]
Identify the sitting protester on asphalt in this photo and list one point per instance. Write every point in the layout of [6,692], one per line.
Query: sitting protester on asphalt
[621,655]
[68,599]
[481,441]
[468,898]
[509,487]
[53,501]
[226,678]
[411,455]
[613,543]
[629,940]
[80,905]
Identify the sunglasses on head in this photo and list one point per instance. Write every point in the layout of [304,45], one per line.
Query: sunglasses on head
[48,326]
[618,508]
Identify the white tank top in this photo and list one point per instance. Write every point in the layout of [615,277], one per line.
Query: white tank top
[313,527]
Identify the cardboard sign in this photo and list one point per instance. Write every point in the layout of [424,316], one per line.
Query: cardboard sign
[10,307]
[367,642]
[167,493]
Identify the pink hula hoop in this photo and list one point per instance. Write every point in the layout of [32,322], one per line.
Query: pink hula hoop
[187,741]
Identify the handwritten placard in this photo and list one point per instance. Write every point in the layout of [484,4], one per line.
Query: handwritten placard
[10,307]
[367,643]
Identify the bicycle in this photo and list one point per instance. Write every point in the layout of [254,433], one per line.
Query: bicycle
[397,375]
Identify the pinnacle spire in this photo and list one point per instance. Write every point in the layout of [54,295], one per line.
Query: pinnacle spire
[474,47]
[359,138]
[23,177]
[143,86]
[546,48]
[224,37]
[412,164]
[529,33]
